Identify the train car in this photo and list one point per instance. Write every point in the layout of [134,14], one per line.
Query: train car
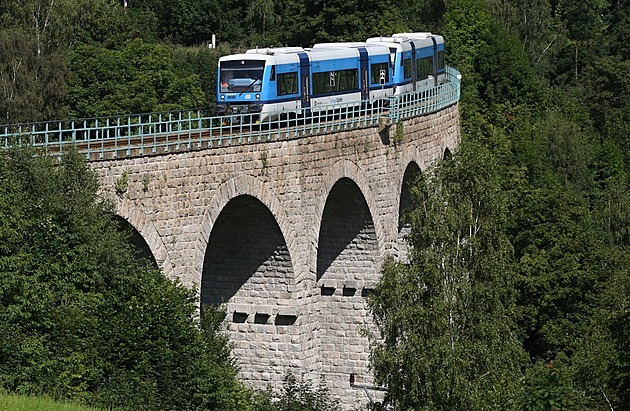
[376,76]
[437,64]
[269,82]
[258,82]
[418,60]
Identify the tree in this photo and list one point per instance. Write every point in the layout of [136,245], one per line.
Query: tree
[82,317]
[585,25]
[296,396]
[32,84]
[448,336]
[139,78]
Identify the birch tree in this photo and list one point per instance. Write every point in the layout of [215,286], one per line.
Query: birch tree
[447,338]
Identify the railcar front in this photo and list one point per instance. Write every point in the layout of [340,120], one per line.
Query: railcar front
[257,85]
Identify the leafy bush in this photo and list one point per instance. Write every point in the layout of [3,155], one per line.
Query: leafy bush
[81,317]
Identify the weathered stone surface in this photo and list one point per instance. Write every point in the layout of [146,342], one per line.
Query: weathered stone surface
[290,235]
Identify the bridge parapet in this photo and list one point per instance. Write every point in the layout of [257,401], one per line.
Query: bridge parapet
[163,133]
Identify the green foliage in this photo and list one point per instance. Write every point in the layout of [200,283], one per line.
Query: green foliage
[122,183]
[32,81]
[446,322]
[34,41]
[138,78]
[399,133]
[550,387]
[296,396]
[194,22]
[82,317]
[21,403]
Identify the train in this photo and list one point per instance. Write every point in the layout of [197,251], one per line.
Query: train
[266,83]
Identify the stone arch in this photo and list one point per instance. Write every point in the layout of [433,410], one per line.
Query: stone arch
[350,246]
[238,186]
[247,267]
[134,214]
[411,163]
[347,244]
[447,155]
[247,261]
[142,249]
[344,169]
[412,171]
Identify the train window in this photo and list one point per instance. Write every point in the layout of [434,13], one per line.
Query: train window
[241,75]
[424,67]
[287,83]
[407,68]
[330,82]
[376,72]
[348,80]
[272,76]
[441,62]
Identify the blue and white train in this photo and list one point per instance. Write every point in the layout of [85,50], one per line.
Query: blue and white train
[417,60]
[269,82]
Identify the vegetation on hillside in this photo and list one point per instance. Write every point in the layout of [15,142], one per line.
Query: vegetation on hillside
[517,291]
[517,294]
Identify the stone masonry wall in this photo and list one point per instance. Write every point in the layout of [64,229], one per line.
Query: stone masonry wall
[290,235]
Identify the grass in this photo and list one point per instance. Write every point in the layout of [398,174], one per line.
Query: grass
[22,403]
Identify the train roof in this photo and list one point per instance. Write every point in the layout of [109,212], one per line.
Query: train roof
[419,35]
[386,39]
[275,50]
[272,58]
[282,56]
[373,48]
[404,40]
[342,44]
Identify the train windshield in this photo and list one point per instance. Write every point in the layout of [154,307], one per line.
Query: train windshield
[241,76]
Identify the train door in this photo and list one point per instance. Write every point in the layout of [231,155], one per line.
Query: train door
[305,75]
[414,67]
[365,79]
[435,61]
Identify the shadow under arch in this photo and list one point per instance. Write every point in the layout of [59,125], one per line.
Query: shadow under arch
[141,248]
[412,172]
[247,260]
[447,154]
[347,236]
[134,215]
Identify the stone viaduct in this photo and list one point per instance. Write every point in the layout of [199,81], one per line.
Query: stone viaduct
[289,235]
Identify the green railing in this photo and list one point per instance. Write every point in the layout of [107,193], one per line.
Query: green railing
[149,134]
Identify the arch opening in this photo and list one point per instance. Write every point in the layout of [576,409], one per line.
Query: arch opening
[347,237]
[405,206]
[247,260]
[347,267]
[141,247]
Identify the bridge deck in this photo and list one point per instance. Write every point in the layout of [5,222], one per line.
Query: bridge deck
[153,134]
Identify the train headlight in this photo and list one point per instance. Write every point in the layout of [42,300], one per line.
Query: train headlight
[257,96]
[222,97]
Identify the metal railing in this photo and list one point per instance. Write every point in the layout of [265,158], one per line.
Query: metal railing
[148,134]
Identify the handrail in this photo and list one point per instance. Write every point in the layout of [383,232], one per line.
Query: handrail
[157,133]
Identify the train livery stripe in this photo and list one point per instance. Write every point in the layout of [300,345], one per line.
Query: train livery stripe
[305,74]
[414,74]
[365,81]
[435,61]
